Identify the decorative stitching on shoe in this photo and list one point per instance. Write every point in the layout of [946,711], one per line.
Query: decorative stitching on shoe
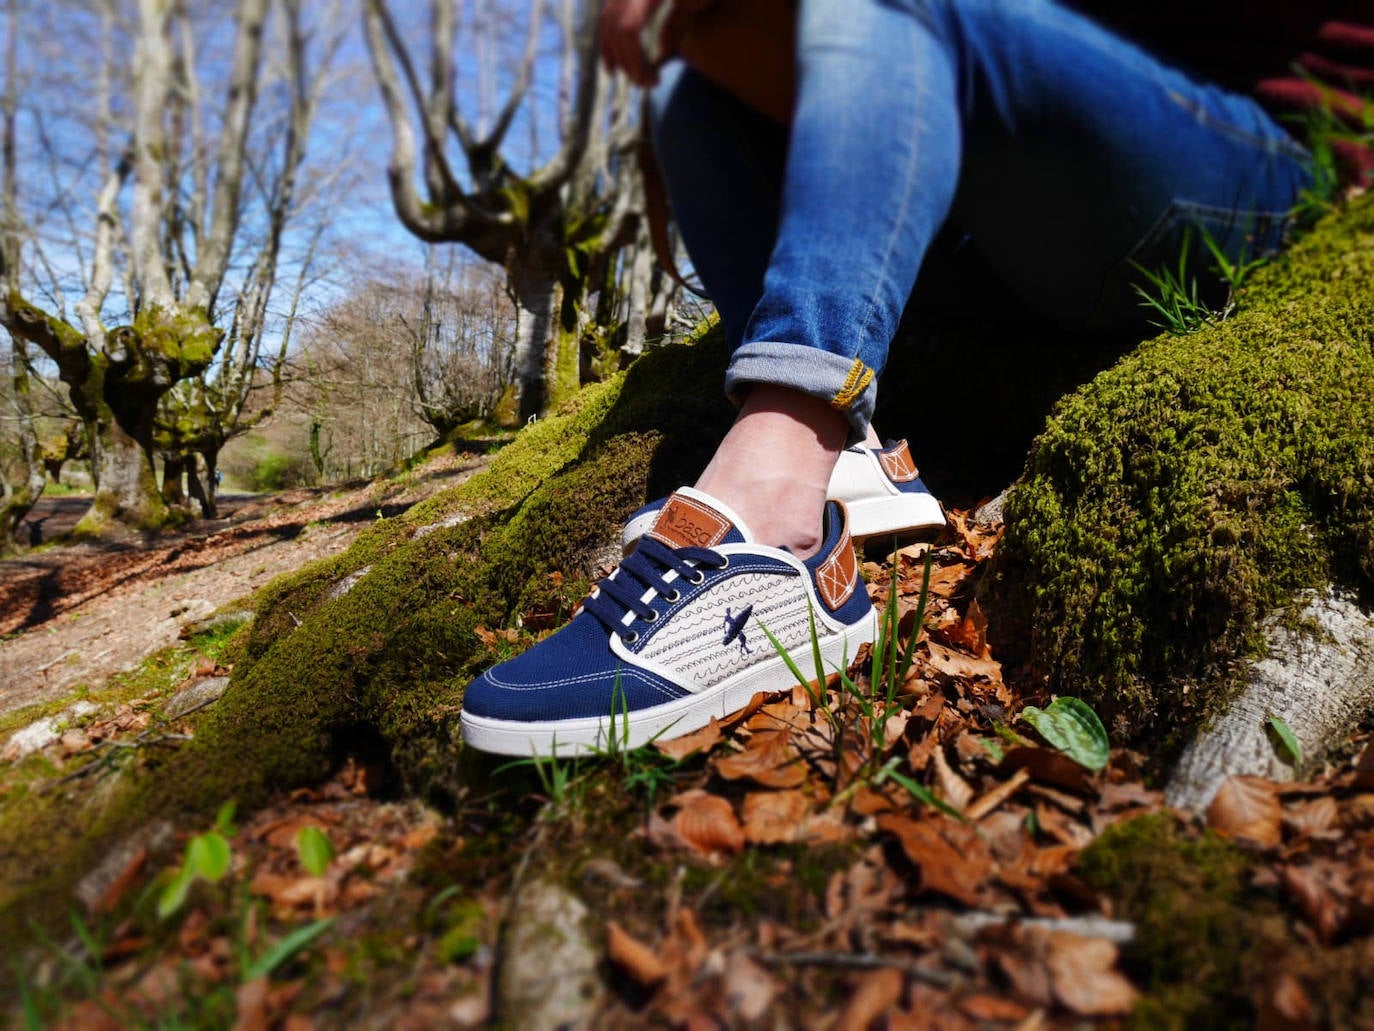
[624,672]
[855,382]
[837,577]
[896,462]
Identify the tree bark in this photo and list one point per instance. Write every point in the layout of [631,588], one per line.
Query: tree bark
[537,297]
[173,470]
[127,489]
[1318,679]
[16,500]
[204,491]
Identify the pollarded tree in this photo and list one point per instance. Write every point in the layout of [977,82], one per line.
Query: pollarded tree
[460,327]
[550,228]
[167,214]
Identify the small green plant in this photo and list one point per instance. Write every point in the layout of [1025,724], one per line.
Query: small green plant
[315,850]
[1070,725]
[266,963]
[1283,740]
[643,768]
[1173,292]
[1322,129]
[207,859]
[871,708]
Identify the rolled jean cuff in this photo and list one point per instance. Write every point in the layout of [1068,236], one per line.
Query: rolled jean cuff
[846,384]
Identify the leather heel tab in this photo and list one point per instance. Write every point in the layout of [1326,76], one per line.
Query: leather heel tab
[837,577]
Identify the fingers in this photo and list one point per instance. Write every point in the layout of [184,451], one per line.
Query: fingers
[622,28]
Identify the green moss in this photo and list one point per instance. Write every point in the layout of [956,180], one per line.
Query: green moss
[52,834]
[1199,939]
[183,336]
[1199,484]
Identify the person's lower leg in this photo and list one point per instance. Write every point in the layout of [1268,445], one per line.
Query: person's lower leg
[872,162]
[774,465]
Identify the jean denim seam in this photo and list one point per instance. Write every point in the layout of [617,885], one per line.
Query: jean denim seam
[891,246]
[1274,146]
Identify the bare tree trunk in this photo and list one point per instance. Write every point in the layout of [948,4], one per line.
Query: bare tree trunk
[173,471]
[203,491]
[641,271]
[536,295]
[123,468]
[17,499]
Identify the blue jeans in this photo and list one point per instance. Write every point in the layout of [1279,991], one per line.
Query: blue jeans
[1065,153]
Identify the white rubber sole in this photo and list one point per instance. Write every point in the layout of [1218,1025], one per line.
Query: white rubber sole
[623,731]
[895,515]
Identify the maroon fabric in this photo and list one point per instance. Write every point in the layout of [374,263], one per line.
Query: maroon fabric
[1289,55]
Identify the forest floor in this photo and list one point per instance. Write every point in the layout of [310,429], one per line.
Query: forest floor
[900,849]
[72,615]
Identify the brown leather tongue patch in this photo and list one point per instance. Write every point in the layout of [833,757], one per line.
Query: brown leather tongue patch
[687,523]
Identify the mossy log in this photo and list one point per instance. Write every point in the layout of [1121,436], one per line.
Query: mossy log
[1179,512]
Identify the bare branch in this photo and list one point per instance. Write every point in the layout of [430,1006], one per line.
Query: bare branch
[493,140]
[213,253]
[106,219]
[579,132]
[422,220]
[152,78]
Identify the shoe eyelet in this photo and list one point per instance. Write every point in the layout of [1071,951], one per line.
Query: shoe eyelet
[697,578]
[724,562]
[631,638]
[652,617]
[673,596]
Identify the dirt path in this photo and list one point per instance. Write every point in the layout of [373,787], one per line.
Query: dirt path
[76,615]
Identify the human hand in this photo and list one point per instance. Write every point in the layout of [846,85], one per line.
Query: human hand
[635,35]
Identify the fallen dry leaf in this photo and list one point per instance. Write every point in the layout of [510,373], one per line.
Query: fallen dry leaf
[773,817]
[992,1008]
[1047,766]
[956,791]
[702,740]
[1315,897]
[707,824]
[958,869]
[1286,1007]
[252,1003]
[985,804]
[1313,818]
[769,760]
[877,992]
[632,956]
[749,989]
[961,665]
[1084,975]
[1248,808]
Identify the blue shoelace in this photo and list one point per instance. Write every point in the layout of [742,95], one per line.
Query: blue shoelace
[644,568]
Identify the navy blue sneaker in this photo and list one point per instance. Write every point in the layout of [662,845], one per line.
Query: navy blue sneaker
[674,637]
[881,488]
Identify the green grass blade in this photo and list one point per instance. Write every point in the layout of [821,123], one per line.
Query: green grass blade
[287,947]
[1286,746]
[786,658]
[923,794]
[910,653]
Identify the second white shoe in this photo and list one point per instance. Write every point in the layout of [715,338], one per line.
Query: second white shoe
[881,488]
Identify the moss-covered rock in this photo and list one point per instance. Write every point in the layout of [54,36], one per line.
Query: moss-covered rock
[1195,486]
[377,644]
